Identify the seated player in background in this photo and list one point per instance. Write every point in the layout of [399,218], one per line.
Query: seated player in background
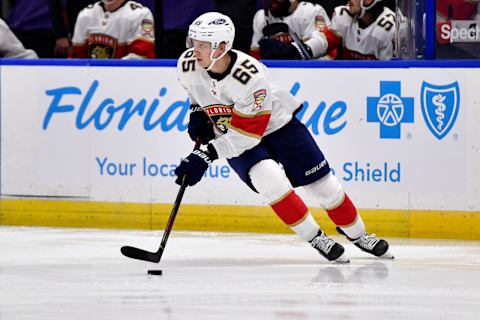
[366,29]
[243,118]
[10,46]
[289,29]
[114,29]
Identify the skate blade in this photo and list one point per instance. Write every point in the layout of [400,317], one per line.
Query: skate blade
[342,259]
[387,255]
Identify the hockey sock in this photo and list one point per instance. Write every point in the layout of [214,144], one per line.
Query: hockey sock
[293,212]
[346,217]
[307,229]
[355,230]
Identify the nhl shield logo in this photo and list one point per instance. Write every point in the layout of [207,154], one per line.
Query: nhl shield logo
[440,104]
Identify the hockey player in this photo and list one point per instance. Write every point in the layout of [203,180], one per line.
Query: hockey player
[114,29]
[367,29]
[289,29]
[241,117]
[10,46]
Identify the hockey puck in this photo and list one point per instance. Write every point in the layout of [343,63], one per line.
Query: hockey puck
[155,272]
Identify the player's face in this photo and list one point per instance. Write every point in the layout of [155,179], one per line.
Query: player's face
[202,50]
[355,7]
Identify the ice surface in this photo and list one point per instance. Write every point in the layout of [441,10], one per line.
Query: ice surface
[53,273]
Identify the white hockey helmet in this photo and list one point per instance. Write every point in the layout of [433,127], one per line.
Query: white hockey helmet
[215,28]
[366,8]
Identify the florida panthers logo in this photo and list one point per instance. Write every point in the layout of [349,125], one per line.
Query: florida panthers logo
[220,115]
[440,105]
[99,52]
[102,46]
[223,123]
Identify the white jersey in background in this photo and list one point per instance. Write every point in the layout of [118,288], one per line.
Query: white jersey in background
[306,22]
[127,32]
[10,46]
[374,42]
[242,104]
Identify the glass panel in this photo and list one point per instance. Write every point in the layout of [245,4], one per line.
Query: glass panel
[457,29]
[405,45]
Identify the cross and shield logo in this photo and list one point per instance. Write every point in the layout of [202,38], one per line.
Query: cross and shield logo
[440,105]
[390,109]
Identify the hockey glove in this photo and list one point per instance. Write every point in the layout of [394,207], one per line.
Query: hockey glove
[200,127]
[195,165]
[276,50]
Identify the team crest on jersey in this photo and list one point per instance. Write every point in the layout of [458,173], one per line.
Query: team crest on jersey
[147,28]
[220,115]
[258,98]
[102,46]
[319,23]
[440,105]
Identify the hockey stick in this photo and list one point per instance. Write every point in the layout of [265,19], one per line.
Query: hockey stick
[140,254]
[304,52]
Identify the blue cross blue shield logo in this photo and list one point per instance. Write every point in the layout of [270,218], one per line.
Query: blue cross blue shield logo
[390,109]
[440,105]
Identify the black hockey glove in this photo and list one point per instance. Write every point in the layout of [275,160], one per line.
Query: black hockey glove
[200,127]
[276,50]
[195,165]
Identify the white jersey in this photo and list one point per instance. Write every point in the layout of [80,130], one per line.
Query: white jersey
[374,42]
[306,22]
[10,46]
[125,32]
[242,104]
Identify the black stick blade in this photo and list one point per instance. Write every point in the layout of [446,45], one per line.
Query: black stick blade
[140,254]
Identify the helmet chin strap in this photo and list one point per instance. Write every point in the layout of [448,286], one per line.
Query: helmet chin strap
[365,9]
[108,1]
[213,60]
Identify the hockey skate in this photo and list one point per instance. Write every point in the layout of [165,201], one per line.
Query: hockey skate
[372,244]
[328,248]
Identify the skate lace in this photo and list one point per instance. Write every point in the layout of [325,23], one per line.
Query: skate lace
[368,241]
[323,243]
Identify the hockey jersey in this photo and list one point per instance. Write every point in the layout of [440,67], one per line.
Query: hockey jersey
[306,22]
[242,104]
[10,46]
[127,32]
[375,42]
